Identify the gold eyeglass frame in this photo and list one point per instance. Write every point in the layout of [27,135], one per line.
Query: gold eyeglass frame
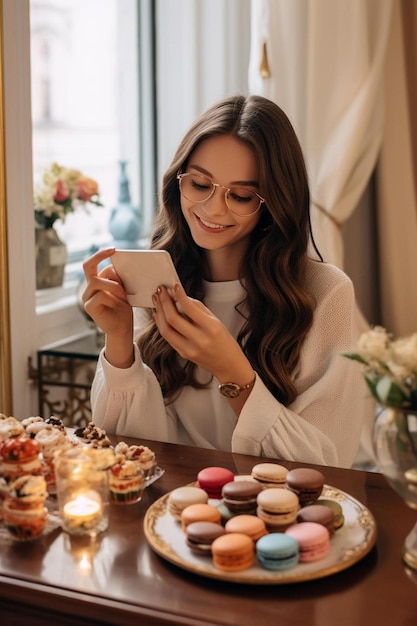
[227,190]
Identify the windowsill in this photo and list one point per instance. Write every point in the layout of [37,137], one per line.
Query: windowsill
[59,312]
[58,298]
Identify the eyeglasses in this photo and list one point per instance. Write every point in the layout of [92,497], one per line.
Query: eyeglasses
[239,200]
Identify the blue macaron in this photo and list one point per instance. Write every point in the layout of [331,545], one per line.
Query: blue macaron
[277,551]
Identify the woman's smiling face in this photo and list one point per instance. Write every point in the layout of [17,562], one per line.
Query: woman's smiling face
[227,161]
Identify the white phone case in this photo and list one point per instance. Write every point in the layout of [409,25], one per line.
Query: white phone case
[142,272]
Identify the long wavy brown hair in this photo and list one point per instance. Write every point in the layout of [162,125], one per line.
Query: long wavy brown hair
[278,309]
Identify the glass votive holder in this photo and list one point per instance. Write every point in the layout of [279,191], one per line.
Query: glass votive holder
[83,493]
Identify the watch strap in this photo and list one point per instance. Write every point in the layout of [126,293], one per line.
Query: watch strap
[233,390]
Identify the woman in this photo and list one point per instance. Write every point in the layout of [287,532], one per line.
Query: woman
[245,355]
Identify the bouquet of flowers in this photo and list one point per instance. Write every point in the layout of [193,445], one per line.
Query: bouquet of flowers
[62,190]
[390,371]
[389,366]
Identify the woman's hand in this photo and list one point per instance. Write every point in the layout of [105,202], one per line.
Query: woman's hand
[197,335]
[105,301]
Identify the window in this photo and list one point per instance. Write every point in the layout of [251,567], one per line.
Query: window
[85,103]
[186,31]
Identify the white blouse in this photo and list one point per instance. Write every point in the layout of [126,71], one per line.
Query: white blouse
[323,424]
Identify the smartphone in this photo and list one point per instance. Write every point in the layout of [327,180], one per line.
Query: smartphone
[142,271]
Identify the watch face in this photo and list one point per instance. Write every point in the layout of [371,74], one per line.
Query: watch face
[230,390]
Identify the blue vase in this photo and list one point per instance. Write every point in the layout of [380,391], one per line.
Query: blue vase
[125,220]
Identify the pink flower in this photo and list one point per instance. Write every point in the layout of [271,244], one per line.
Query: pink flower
[61,192]
[86,188]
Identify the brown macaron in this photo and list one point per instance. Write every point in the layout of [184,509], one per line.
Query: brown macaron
[318,513]
[306,483]
[240,496]
[200,536]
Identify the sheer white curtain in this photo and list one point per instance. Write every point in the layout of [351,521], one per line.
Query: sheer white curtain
[325,60]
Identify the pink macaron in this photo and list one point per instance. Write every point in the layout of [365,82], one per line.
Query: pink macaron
[313,540]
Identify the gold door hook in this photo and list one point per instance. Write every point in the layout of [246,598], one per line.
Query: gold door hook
[264,65]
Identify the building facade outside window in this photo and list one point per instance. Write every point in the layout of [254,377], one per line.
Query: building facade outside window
[86,103]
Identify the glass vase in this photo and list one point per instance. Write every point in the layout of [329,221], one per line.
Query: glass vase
[51,257]
[395,446]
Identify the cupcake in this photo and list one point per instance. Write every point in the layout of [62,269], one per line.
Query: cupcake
[99,458]
[24,512]
[56,422]
[93,435]
[126,481]
[33,419]
[19,456]
[145,457]
[10,427]
[51,441]
[121,448]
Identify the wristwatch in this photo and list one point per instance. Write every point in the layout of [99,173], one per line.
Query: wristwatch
[233,390]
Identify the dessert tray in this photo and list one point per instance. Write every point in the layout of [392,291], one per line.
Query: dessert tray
[348,545]
[149,480]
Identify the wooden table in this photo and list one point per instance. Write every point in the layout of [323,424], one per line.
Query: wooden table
[43,583]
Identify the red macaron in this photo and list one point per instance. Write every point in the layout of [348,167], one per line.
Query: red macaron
[212,480]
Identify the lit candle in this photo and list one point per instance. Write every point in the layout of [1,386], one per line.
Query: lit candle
[83,512]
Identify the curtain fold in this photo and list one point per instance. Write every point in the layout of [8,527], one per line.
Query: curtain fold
[323,62]
[326,62]
[395,177]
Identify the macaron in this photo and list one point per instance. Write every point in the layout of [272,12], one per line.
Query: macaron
[277,551]
[200,536]
[249,525]
[270,474]
[212,480]
[240,496]
[339,518]
[318,513]
[225,512]
[182,497]
[306,483]
[233,552]
[277,508]
[313,540]
[199,513]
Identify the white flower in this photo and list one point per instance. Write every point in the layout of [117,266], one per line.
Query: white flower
[404,353]
[373,345]
[389,367]
[399,371]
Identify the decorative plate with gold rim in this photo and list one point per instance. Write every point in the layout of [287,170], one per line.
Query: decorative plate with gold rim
[348,545]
